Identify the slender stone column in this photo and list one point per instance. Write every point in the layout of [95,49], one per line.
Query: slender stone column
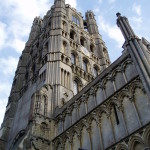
[123,120]
[100,132]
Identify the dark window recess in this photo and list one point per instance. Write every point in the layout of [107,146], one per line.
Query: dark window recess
[92,48]
[85,25]
[49,24]
[82,42]
[90,15]
[71,35]
[116,115]
[26,76]
[37,45]
[33,69]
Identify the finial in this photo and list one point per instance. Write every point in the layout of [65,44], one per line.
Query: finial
[118,14]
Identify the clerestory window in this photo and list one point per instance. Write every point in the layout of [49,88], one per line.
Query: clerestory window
[75,20]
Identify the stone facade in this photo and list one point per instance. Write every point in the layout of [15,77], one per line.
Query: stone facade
[67,96]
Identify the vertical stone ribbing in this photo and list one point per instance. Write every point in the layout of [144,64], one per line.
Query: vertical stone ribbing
[137,53]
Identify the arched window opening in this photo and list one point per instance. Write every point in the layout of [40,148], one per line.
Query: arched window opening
[82,42]
[95,72]
[49,24]
[75,20]
[85,25]
[37,45]
[73,59]
[64,24]
[75,87]
[138,146]
[72,34]
[64,47]
[92,48]
[85,65]
[90,15]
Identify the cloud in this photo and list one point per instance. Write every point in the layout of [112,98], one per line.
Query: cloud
[3,34]
[136,20]
[7,69]
[3,87]
[100,1]
[8,66]
[3,103]
[18,45]
[113,32]
[137,9]
[19,16]
[96,10]
[4,90]
[111,1]
[73,3]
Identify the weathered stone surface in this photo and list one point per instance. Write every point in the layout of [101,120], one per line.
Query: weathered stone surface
[55,102]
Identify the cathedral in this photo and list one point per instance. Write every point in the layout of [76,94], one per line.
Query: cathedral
[67,95]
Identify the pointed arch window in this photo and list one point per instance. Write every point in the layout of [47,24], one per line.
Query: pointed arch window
[72,34]
[75,87]
[73,59]
[82,42]
[95,72]
[91,48]
[84,65]
[64,47]
[64,24]
[75,20]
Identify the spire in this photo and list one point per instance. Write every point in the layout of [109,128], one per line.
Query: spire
[125,27]
[138,53]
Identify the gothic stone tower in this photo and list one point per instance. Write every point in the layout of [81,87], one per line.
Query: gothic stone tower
[62,55]
[67,96]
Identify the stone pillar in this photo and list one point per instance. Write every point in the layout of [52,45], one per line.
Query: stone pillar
[136,51]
